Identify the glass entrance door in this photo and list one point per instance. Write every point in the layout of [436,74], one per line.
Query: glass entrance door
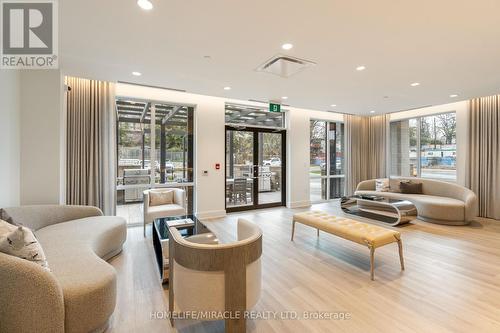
[255,168]
[270,168]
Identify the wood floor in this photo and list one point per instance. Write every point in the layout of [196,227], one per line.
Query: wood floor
[451,282]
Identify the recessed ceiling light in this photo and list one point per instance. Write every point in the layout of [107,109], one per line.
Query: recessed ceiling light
[415,84]
[287,46]
[145,4]
[372,111]
[136,73]
[453,95]
[333,105]
[227,88]
[360,68]
[284,97]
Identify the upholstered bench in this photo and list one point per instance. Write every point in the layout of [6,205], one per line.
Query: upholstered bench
[362,233]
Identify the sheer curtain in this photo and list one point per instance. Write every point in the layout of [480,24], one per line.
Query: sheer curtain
[91,144]
[365,146]
[483,172]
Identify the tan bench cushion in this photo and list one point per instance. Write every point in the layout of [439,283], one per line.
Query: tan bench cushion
[361,233]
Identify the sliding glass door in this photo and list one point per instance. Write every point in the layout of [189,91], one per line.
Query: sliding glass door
[255,168]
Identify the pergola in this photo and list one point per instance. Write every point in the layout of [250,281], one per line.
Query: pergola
[253,116]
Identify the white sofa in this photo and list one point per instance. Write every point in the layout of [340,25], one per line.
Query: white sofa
[441,202]
[177,208]
[79,293]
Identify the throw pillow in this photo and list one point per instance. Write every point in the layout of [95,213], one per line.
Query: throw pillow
[6,228]
[394,184]
[382,185]
[4,216]
[158,198]
[21,242]
[410,188]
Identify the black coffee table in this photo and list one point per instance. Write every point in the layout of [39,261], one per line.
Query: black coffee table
[161,236]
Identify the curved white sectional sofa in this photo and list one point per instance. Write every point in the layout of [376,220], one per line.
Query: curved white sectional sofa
[441,202]
[79,293]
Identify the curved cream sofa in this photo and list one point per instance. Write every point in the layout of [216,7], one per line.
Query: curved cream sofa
[441,202]
[79,294]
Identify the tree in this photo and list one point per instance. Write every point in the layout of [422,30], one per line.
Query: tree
[317,134]
[447,126]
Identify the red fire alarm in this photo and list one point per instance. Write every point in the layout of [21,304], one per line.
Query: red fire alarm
[217,166]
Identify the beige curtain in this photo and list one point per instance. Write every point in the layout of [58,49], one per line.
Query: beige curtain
[356,151]
[377,146]
[483,172]
[365,146]
[91,144]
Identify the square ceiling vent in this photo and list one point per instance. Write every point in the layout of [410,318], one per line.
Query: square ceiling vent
[284,66]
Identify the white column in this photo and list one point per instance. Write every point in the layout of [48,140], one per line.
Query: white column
[152,137]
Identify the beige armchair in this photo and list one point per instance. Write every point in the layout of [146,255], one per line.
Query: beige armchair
[216,278]
[177,208]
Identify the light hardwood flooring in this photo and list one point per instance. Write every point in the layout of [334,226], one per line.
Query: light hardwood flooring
[451,282]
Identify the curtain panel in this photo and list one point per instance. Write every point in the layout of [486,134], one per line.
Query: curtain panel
[91,144]
[483,171]
[365,146]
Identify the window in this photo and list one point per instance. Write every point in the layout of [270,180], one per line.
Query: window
[326,167]
[144,162]
[424,147]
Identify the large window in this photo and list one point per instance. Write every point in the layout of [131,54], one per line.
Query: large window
[326,167]
[155,149]
[424,147]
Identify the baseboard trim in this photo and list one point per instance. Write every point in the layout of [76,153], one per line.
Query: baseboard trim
[443,222]
[298,204]
[211,214]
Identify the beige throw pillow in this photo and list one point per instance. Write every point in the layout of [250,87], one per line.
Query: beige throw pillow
[382,185]
[6,227]
[20,242]
[159,198]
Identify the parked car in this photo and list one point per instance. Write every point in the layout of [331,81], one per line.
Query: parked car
[275,161]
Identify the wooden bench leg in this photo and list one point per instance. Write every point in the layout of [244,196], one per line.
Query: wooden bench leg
[400,245]
[293,229]
[372,263]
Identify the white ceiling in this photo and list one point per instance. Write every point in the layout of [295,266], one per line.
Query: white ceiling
[449,46]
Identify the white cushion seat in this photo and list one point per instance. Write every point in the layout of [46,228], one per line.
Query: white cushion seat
[155,212]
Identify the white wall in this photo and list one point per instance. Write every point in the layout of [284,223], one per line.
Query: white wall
[461,108]
[41,135]
[210,145]
[9,138]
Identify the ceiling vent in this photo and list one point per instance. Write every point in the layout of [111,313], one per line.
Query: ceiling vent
[284,66]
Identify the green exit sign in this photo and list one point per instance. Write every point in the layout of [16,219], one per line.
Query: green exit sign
[274,107]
